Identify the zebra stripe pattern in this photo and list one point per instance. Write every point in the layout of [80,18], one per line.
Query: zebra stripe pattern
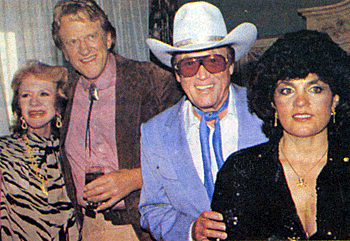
[26,212]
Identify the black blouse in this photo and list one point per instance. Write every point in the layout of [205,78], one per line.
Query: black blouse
[251,192]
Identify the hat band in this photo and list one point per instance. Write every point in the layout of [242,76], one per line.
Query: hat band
[198,41]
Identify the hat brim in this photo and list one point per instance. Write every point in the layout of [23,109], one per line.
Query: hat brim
[241,39]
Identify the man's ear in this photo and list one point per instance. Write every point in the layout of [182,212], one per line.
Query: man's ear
[65,54]
[178,78]
[109,40]
[231,68]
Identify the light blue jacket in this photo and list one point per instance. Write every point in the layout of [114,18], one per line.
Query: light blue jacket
[173,196]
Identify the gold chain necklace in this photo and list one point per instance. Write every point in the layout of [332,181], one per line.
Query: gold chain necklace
[41,177]
[301,181]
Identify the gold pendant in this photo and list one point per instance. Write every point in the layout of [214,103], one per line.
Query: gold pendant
[44,188]
[35,167]
[301,182]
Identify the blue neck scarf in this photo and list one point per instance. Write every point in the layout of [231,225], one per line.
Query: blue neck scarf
[204,138]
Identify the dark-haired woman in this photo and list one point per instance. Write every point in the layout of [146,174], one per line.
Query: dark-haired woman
[34,202]
[297,185]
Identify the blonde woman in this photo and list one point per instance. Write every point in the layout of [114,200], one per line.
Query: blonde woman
[34,202]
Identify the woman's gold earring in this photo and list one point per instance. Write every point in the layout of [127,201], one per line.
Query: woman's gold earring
[333,114]
[24,124]
[58,121]
[276,118]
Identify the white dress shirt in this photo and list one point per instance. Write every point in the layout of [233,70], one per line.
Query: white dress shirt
[229,135]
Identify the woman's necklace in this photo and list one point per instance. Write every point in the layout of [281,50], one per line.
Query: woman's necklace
[42,179]
[301,179]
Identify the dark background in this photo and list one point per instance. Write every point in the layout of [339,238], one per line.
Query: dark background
[271,17]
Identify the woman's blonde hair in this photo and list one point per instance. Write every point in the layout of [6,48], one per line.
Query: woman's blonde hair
[54,74]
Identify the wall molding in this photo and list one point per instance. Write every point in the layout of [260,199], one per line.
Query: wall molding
[333,19]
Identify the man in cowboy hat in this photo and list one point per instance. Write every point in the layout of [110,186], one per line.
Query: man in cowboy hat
[110,97]
[183,147]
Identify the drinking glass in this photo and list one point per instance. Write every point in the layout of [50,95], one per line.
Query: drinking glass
[92,173]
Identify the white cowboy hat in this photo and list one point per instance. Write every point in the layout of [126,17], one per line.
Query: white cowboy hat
[199,26]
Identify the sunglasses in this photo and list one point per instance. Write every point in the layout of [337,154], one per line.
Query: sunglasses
[189,67]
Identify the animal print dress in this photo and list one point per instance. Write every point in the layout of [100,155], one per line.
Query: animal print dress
[34,202]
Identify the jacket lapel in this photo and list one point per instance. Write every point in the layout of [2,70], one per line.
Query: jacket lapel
[249,125]
[127,123]
[181,159]
[71,85]
[64,163]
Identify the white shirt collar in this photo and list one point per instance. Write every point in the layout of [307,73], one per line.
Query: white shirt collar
[190,119]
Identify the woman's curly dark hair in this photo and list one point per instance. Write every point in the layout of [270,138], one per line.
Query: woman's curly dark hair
[294,56]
